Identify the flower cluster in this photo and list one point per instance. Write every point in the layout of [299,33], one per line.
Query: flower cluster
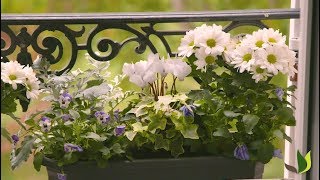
[264,53]
[154,71]
[14,73]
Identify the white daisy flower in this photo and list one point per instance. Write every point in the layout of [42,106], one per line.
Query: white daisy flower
[187,45]
[259,74]
[256,40]
[272,58]
[29,74]
[273,37]
[12,73]
[203,59]
[213,40]
[243,58]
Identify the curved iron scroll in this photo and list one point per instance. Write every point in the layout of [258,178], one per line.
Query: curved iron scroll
[48,45]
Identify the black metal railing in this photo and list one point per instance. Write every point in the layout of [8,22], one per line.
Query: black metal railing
[122,21]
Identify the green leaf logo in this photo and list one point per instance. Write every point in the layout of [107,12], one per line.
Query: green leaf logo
[304,163]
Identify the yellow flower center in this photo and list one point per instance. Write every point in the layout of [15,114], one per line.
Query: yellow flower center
[29,88]
[12,77]
[272,40]
[211,43]
[247,57]
[209,59]
[259,43]
[191,43]
[259,70]
[272,58]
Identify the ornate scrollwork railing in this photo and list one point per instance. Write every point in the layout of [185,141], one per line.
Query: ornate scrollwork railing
[122,21]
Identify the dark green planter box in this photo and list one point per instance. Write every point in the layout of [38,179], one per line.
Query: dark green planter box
[193,168]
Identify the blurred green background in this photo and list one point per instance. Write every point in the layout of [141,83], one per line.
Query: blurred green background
[274,169]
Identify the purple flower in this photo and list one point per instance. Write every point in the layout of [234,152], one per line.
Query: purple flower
[188,110]
[66,117]
[45,124]
[279,93]
[241,152]
[15,139]
[277,153]
[116,114]
[68,147]
[102,117]
[62,176]
[64,99]
[119,130]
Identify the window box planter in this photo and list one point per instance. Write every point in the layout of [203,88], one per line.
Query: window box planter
[170,169]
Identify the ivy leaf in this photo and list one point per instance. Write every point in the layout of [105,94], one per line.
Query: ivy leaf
[286,115]
[190,131]
[37,160]
[117,148]
[157,123]
[223,132]
[176,147]
[250,122]
[130,134]
[231,114]
[74,114]
[161,143]
[26,147]
[6,134]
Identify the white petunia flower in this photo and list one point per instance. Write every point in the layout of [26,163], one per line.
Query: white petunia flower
[272,58]
[187,45]
[259,74]
[243,58]
[32,89]
[213,40]
[203,59]
[273,37]
[12,73]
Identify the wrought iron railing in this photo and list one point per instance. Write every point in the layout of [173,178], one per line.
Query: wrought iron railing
[123,21]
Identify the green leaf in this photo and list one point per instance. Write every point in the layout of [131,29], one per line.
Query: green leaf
[157,123]
[223,132]
[117,148]
[74,114]
[280,134]
[30,122]
[161,143]
[170,133]
[265,153]
[302,163]
[176,147]
[231,114]
[26,147]
[130,134]
[92,135]
[308,160]
[94,82]
[250,122]
[6,134]
[286,115]
[190,131]
[37,160]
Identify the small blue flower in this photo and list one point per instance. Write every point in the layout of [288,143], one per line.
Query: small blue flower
[279,93]
[62,176]
[64,99]
[15,139]
[116,114]
[277,153]
[68,147]
[119,130]
[102,117]
[241,152]
[66,117]
[188,110]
